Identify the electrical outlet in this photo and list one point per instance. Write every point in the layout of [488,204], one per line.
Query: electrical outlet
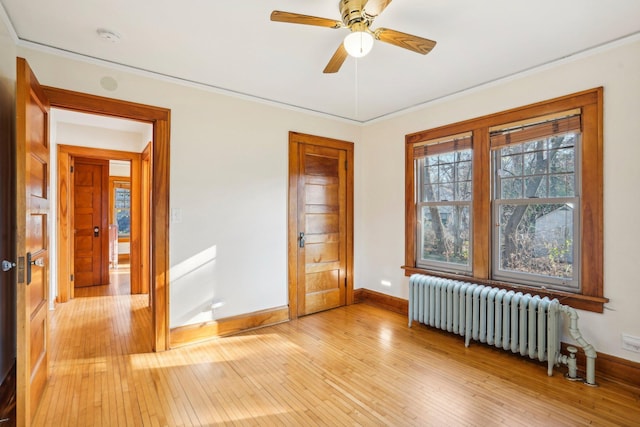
[630,343]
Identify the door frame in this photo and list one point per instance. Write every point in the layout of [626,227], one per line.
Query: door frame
[159,118]
[139,265]
[295,140]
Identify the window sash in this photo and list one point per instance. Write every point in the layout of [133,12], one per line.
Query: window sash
[571,284]
[420,168]
[450,266]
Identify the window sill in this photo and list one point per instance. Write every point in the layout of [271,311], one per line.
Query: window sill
[578,301]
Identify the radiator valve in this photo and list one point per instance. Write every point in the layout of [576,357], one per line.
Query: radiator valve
[572,364]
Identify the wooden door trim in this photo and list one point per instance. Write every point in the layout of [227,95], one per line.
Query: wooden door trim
[65,216]
[145,244]
[160,154]
[295,140]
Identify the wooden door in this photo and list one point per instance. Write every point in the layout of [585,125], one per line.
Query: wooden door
[90,221]
[32,194]
[323,233]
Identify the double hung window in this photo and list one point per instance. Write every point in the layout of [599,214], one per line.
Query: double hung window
[445,185]
[536,202]
[513,199]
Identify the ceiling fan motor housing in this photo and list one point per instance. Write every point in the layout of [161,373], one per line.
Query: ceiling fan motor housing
[352,12]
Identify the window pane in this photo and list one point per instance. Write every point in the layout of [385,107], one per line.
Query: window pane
[123,219]
[463,192]
[511,165]
[446,172]
[511,188]
[537,239]
[428,193]
[536,187]
[535,163]
[122,207]
[445,234]
[445,192]
[562,160]
[561,186]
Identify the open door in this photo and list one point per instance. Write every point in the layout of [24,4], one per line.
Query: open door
[32,194]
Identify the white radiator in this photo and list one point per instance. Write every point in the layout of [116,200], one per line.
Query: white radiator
[525,324]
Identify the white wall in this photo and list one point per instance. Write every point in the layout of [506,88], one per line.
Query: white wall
[229,182]
[380,196]
[229,166]
[96,137]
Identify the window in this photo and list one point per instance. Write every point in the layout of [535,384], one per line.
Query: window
[512,199]
[121,206]
[535,202]
[444,185]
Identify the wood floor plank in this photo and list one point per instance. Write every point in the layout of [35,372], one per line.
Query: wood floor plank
[356,365]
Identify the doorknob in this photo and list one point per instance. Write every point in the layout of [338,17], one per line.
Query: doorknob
[7,265]
[96,231]
[301,240]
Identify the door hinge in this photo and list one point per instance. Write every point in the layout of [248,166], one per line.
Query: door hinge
[71,168]
[345,282]
[71,278]
[346,165]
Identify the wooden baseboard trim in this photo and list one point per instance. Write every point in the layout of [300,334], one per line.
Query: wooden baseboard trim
[610,367]
[388,302]
[191,334]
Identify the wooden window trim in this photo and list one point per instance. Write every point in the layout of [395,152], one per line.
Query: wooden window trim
[590,102]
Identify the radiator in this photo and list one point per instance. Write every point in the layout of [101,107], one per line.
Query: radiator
[526,324]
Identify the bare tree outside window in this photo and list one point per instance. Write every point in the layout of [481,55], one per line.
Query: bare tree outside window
[535,208]
[444,209]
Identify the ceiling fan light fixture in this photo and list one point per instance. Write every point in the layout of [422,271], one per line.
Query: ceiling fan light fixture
[358,43]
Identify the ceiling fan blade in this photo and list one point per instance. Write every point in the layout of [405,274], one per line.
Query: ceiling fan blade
[296,18]
[375,7]
[404,40]
[336,60]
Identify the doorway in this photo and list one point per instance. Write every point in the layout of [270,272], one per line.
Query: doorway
[159,154]
[320,236]
[134,235]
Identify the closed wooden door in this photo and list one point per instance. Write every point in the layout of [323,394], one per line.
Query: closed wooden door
[323,234]
[32,197]
[90,219]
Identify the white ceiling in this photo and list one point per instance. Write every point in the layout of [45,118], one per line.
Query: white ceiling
[233,46]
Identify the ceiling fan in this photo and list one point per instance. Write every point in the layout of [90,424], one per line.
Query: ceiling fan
[357,16]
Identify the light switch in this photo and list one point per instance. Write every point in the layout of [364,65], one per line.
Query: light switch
[176,215]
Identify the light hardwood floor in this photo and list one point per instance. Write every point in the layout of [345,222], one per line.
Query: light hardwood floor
[356,365]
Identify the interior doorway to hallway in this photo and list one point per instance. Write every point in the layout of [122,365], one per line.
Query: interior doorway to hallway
[98,233]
